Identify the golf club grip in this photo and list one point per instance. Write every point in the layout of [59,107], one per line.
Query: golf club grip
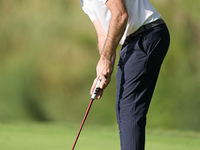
[96,89]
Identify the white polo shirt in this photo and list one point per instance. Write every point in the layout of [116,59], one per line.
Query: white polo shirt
[140,13]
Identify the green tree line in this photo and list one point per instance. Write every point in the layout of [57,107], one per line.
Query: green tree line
[48,55]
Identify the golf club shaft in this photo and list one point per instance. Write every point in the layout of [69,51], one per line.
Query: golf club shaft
[88,109]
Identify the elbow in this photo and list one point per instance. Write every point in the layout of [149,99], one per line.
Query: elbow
[122,18]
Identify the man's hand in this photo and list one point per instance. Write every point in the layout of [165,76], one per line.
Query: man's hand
[100,91]
[104,70]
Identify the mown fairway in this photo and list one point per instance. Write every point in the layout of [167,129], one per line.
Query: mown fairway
[61,137]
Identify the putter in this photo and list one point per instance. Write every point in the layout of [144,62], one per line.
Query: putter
[88,109]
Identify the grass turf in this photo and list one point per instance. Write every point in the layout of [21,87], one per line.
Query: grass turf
[61,137]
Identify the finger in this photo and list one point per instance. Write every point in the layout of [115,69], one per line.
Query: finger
[105,81]
[93,86]
[99,94]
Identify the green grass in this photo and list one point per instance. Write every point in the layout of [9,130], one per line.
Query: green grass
[61,137]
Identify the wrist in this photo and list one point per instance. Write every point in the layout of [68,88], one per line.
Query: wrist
[105,58]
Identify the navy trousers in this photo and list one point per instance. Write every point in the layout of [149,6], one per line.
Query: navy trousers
[137,73]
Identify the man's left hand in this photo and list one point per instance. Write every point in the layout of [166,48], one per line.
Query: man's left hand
[104,70]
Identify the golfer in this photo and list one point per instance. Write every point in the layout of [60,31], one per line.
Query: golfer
[144,37]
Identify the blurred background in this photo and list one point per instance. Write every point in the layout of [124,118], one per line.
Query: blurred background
[48,56]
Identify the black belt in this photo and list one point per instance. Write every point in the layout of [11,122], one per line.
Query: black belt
[142,29]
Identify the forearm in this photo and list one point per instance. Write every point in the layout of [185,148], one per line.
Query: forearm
[117,27]
[101,34]
[101,43]
[107,43]
[116,30]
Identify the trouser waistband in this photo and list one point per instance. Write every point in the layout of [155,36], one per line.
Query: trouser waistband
[142,29]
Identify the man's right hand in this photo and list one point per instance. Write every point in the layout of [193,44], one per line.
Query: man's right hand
[100,91]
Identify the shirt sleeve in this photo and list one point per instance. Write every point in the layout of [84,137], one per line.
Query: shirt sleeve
[88,9]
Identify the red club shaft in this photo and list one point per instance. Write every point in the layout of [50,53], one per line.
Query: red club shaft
[86,114]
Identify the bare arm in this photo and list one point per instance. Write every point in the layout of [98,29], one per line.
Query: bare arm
[108,43]
[116,30]
[117,27]
[101,35]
